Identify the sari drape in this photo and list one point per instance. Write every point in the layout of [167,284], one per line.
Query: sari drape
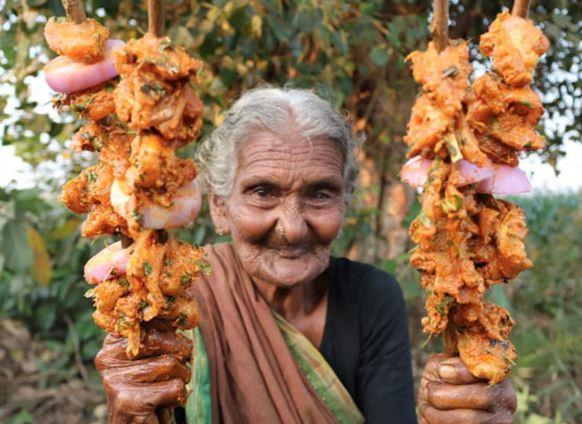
[252,366]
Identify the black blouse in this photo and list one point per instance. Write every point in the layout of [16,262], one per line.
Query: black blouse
[365,341]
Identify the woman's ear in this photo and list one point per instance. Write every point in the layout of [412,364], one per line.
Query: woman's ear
[219,214]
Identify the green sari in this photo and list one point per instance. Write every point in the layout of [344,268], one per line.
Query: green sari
[309,360]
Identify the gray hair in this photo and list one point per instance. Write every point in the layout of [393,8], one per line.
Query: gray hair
[274,110]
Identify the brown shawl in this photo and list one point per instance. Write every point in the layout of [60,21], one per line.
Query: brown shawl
[253,375]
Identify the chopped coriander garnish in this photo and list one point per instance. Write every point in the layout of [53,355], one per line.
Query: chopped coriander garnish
[137,217]
[143,304]
[204,266]
[182,319]
[185,279]
[91,177]
[123,282]
[147,268]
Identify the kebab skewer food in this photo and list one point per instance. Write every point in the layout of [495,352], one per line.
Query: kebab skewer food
[464,140]
[139,187]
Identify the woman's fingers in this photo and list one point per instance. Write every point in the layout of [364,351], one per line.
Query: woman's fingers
[137,403]
[158,342]
[430,415]
[154,343]
[472,396]
[150,370]
[453,371]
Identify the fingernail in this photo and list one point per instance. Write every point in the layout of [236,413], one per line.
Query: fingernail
[447,372]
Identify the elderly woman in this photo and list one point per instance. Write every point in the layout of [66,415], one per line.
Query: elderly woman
[289,334]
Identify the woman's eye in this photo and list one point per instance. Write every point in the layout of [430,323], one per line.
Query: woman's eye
[261,192]
[321,195]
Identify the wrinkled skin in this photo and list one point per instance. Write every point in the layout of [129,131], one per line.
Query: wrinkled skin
[285,208]
[134,388]
[449,394]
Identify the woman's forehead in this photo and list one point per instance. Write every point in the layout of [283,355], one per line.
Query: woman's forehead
[271,152]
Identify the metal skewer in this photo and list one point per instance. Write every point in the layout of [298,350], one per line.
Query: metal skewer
[75,10]
[440,24]
[520,8]
[156,17]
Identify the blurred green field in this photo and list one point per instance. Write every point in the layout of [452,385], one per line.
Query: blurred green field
[48,339]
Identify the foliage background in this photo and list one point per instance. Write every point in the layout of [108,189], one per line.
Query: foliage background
[352,53]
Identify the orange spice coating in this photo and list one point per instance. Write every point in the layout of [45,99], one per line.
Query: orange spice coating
[155,288]
[444,79]
[467,242]
[515,45]
[84,42]
[155,90]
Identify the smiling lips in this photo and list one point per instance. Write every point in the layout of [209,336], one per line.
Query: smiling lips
[291,252]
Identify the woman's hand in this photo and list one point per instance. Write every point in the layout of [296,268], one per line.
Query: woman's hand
[135,388]
[449,394]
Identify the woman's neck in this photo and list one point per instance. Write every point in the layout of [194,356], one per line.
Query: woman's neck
[297,301]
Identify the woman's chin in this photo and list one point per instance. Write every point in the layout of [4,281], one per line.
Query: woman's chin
[291,272]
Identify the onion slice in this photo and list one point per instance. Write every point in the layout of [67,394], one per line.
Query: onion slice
[415,171]
[186,203]
[64,75]
[506,180]
[100,266]
[494,179]
[469,173]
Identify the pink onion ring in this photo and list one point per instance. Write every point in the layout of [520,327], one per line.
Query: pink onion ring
[505,180]
[100,266]
[470,173]
[185,207]
[64,75]
[415,171]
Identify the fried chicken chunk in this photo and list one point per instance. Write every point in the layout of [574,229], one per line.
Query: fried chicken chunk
[155,90]
[155,287]
[83,42]
[515,45]
[156,168]
[444,79]
[95,103]
[505,114]
[89,193]
[484,346]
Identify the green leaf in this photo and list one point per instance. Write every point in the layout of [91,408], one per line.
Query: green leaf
[17,252]
[497,295]
[45,315]
[379,55]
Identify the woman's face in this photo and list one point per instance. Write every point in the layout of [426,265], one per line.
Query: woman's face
[285,208]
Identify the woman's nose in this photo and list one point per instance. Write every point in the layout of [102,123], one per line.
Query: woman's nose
[291,225]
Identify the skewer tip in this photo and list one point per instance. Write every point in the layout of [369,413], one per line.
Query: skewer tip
[75,10]
[440,24]
[156,17]
[520,8]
